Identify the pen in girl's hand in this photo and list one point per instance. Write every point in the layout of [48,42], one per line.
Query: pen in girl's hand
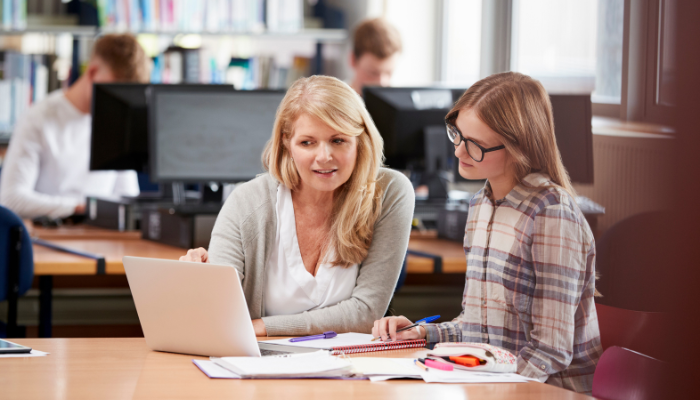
[426,320]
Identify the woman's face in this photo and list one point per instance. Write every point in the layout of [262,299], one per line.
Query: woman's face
[494,164]
[324,158]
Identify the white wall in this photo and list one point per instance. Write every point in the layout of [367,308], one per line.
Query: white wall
[416,20]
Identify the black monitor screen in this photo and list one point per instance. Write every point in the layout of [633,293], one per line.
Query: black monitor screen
[120,124]
[119,128]
[572,127]
[403,123]
[402,116]
[198,136]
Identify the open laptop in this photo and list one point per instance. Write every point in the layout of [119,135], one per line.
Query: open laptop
[195,308]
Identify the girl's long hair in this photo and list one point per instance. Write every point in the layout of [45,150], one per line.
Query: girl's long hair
[518,109]
[357,203]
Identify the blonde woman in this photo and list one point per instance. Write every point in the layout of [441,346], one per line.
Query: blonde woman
[320,239]
[530,254]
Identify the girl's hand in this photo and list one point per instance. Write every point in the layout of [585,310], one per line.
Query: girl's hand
[199,255]
[386,327]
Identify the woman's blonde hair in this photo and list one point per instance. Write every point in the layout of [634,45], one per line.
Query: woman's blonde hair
[357,203]
[518,109]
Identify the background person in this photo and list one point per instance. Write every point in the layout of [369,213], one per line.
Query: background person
[47,168]
[376,48]
[530,276]
[320,239]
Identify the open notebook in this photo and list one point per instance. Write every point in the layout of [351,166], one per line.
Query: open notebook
[350,343]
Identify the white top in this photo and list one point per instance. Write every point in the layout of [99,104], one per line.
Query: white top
[289,287]
[47,167]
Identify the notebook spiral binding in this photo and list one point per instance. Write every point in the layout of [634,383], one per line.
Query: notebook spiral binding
[366,348]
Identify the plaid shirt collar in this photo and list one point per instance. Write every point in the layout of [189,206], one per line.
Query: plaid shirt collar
[522,190]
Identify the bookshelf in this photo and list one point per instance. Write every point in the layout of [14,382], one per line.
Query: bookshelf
[318,35]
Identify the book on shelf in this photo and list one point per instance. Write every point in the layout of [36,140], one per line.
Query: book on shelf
[26,79]
[246,16]
[178,65]
[13,14]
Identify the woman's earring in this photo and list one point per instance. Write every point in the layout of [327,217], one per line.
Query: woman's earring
[291,158]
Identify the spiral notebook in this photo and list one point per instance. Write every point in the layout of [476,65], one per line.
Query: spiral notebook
[351,343]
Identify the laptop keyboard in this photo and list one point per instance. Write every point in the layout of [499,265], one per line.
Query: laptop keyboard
[266,352]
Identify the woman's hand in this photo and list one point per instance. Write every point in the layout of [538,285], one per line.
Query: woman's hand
[259,327]
[386,327]
[199,255]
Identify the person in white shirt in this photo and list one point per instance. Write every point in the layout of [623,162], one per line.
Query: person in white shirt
[46,169]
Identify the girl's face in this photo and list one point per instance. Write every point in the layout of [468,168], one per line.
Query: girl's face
[494,164]
[324,158]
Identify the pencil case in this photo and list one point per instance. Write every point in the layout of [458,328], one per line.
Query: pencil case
[463,356]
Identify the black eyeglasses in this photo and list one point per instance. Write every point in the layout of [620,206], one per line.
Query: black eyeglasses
[474,149]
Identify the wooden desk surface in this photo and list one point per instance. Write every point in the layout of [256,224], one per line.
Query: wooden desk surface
[453,259]
[52,262]
[126,369]
[79,232]
[114,245]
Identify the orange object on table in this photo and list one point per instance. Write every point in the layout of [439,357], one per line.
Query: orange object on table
[467,361]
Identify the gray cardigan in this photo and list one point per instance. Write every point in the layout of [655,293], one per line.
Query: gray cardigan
[244,235]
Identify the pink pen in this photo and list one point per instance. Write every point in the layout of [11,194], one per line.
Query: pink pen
[438,365]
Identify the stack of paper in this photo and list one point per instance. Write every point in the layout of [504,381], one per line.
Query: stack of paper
[381,369]
[318,364]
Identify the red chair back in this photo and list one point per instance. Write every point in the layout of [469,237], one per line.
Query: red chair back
[638,331]
[623,374]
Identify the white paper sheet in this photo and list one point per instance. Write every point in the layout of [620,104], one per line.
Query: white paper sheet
[212,370]
[304,365]
[33,353]
[376,366]
[457,376]
[344,339]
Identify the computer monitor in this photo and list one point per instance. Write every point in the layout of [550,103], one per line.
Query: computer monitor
[119,128]
[411,140]
[120,125]
[197,136]
[572,128]
[402,115]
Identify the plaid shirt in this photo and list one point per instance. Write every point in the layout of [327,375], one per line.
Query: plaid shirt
[530,284]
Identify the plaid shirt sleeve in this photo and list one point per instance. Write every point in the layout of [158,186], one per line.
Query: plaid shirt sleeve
[560,254]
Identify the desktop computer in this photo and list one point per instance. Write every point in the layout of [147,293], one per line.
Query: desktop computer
[411,122]
[197,136]
[120,142]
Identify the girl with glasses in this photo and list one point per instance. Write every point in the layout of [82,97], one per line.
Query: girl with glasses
[530,253]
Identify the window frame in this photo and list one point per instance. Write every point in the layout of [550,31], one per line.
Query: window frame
[640,59]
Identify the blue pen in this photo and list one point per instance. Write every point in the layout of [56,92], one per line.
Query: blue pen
[425,320]
[324,335]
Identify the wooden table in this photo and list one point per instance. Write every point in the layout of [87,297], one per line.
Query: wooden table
[436,256]
[79,232]
[447,256]
[112,245]
[127,369]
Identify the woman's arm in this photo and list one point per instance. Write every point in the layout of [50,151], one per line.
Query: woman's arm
[561,253]
[376,279]
[226,244]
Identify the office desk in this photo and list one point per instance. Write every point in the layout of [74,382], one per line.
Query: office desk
[447,256]
[79,232]
[48,262]
[126,369]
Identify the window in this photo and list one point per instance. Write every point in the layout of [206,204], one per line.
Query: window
[462,42]
[570,45]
